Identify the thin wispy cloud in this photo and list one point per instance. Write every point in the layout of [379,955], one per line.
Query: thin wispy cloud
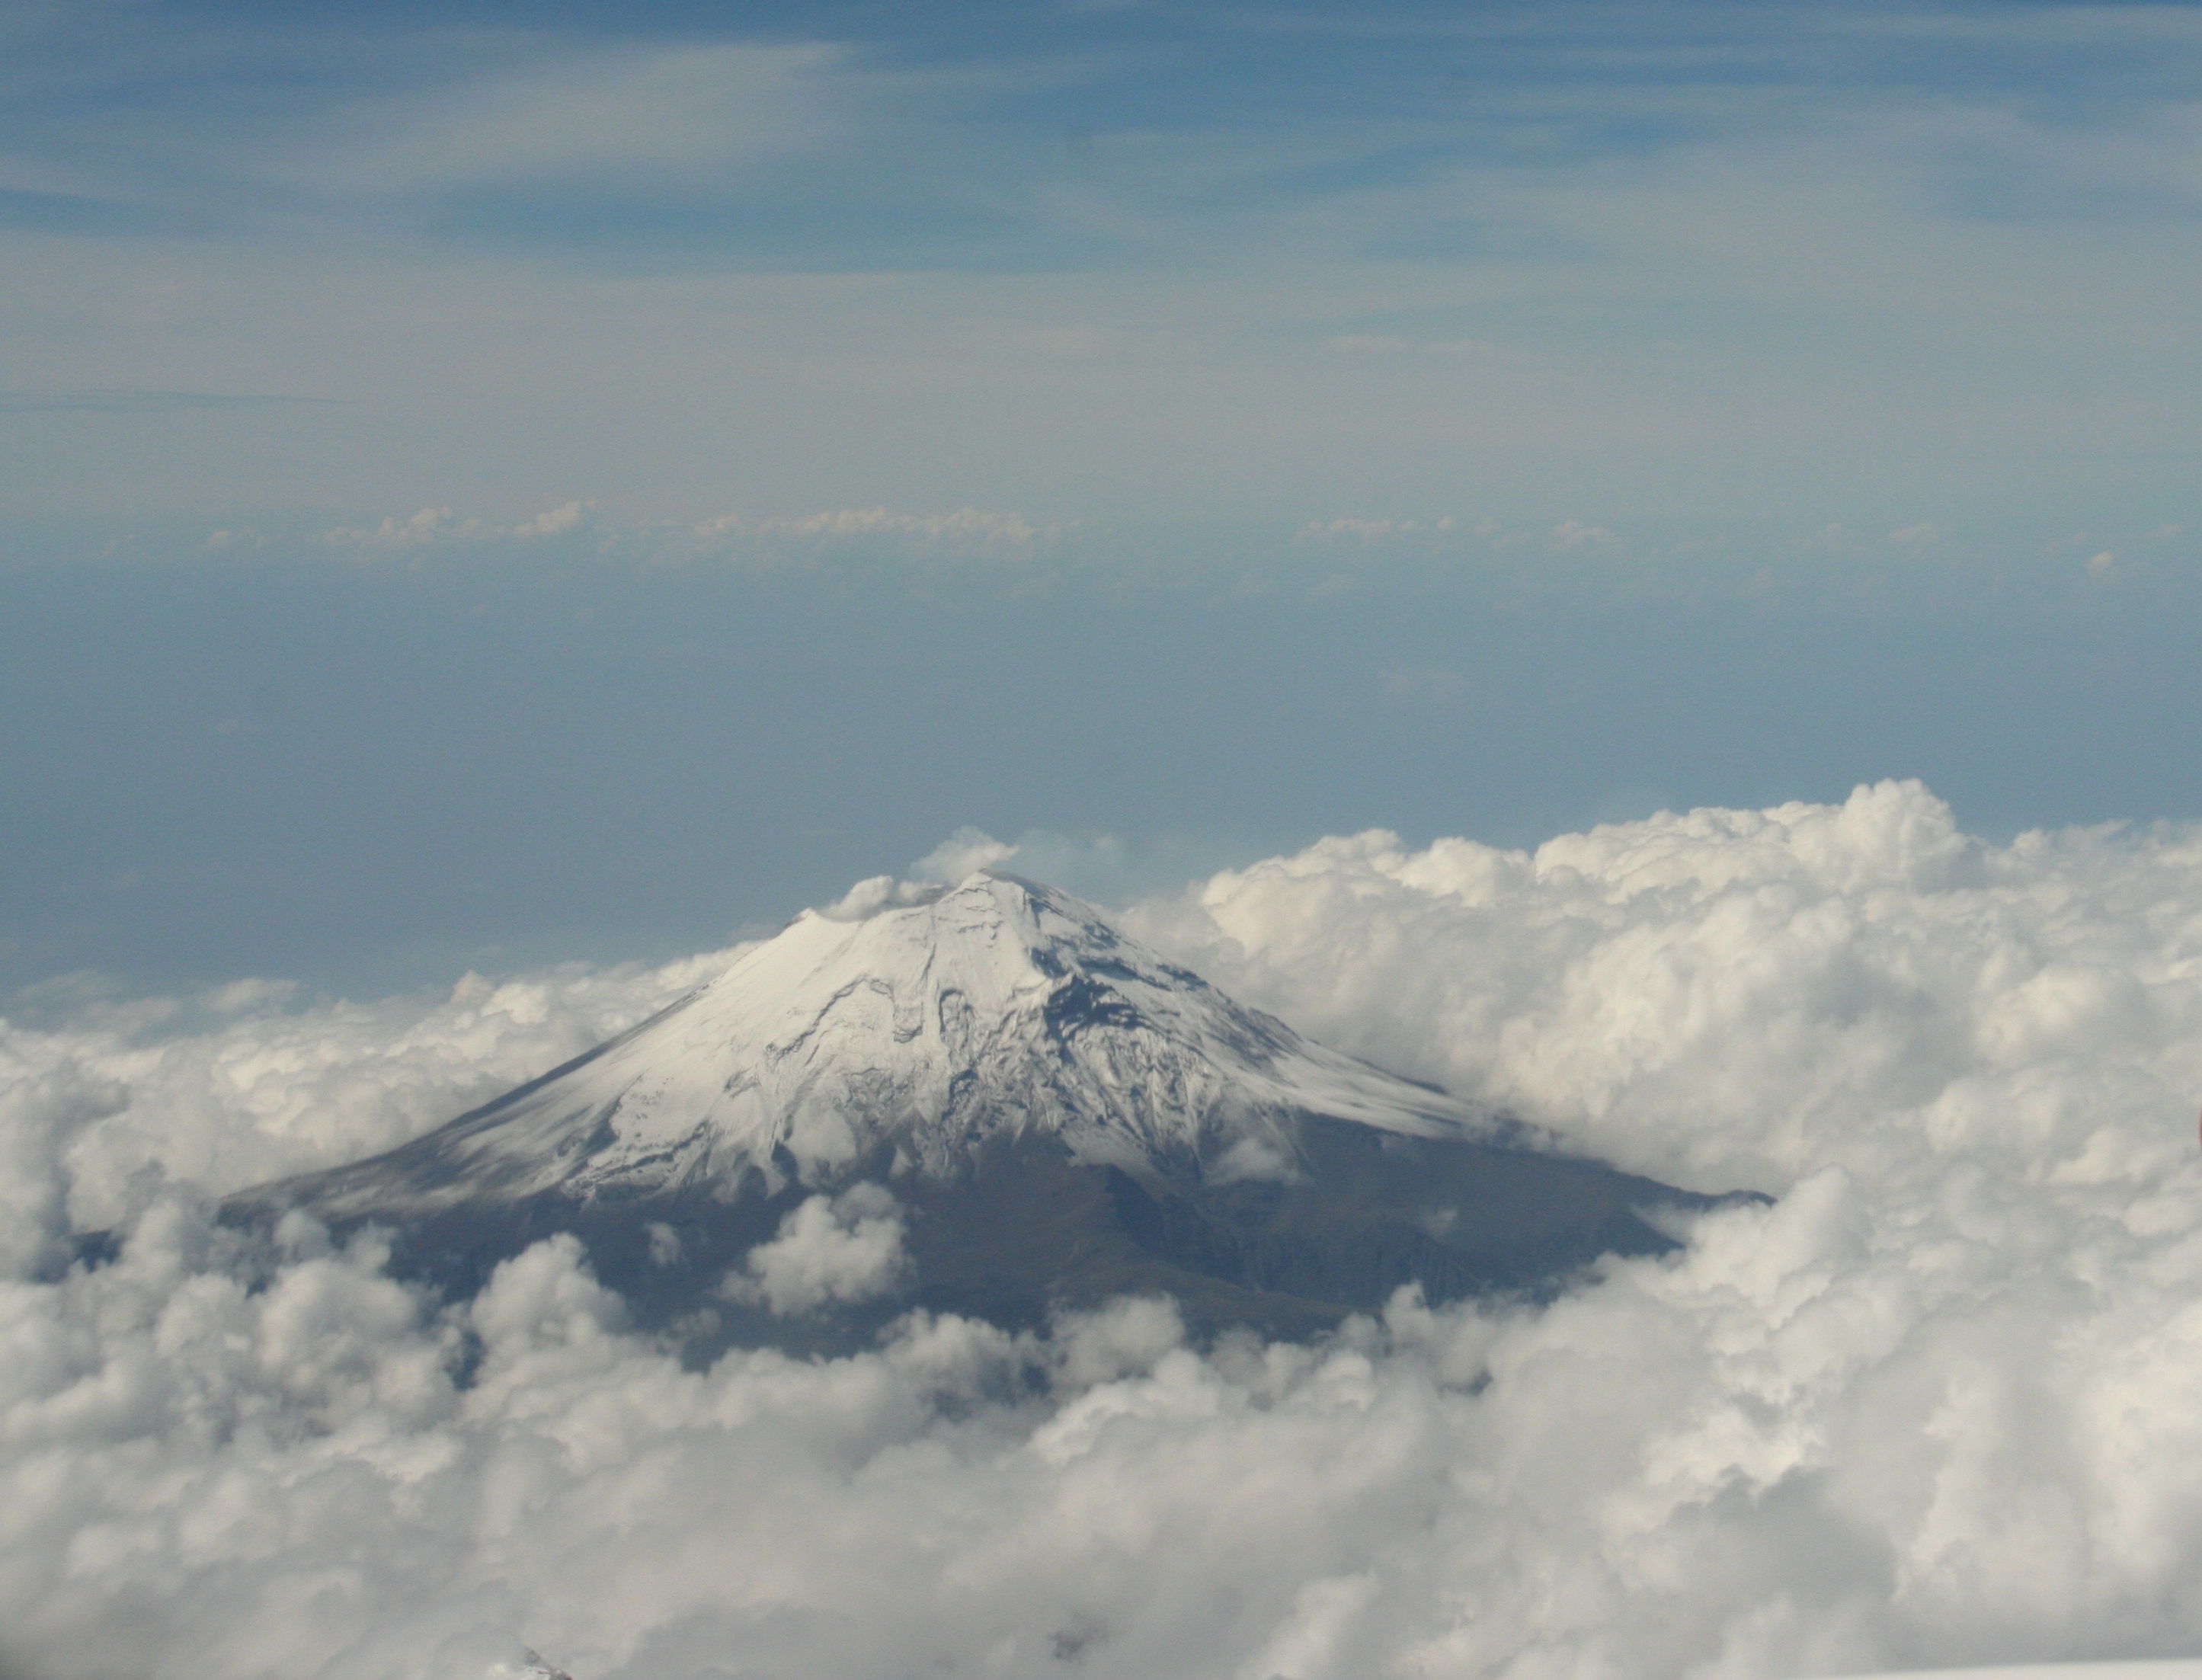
[1696,257]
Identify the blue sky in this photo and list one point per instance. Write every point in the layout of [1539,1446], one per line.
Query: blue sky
[1485,418]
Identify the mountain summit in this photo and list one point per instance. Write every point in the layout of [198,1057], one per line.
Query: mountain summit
[988,1099]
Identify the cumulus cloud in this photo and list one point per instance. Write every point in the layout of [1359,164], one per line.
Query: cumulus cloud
[874,893]
[967,533]
[416,530]
[830,1248]
[94,1118]
[1448,533]
[1066,860]
[553,522]
[1371,533]
[834,539]
[1723,994]
[966,850]
[1939,1403]
[435,527]
[1095,865]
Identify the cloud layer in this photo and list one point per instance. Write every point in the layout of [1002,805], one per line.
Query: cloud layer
[1939,1404]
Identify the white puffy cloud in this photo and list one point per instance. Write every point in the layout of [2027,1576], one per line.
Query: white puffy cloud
[1939,1403]
[1723,996]
[967,849]
[553,522]
[849,536]
[434,526]
[1371,533]
[99,1116]
[967,533]
[829,1248]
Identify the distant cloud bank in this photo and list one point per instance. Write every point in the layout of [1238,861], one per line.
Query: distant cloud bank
[1349,551]
[1940,1403]
[965,533]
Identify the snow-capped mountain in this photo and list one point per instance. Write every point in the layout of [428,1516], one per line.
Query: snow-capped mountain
[996,1006]
[1041,1109]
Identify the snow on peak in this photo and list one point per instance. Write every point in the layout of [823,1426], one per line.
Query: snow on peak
[923,1020]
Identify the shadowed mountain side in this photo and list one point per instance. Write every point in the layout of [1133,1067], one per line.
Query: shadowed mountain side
[1023,1229]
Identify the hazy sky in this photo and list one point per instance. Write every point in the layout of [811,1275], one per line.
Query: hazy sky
[1461,418]
[1301,261]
